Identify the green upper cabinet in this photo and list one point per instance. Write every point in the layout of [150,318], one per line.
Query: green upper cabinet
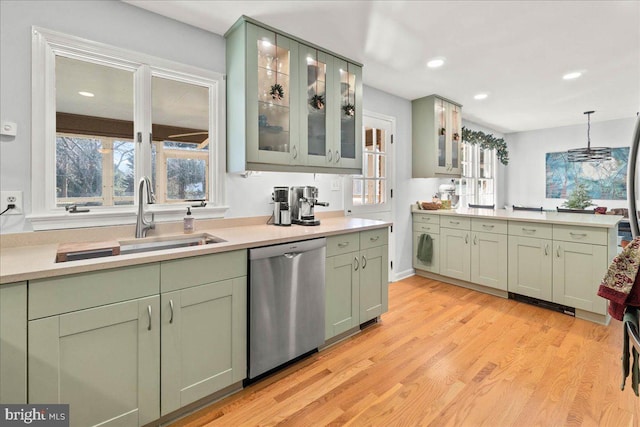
[291,106]
[436,137]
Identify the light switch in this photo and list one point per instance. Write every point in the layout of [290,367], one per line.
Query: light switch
[8,128]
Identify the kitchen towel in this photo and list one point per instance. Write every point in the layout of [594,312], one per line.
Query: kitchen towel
[631,316]
[620,285]
[425,248]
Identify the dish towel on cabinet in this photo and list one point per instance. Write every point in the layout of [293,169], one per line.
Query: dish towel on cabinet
[619,284]
[631,316]
[425,248]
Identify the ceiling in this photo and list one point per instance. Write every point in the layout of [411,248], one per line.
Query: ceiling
[516,51]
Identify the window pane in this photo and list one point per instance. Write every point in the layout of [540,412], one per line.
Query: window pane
[374,192]
[382,169]
[369,165]
[357,192]
[78,170]
[123,172]
[186,179]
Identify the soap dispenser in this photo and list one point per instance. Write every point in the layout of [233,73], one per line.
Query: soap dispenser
[189,222]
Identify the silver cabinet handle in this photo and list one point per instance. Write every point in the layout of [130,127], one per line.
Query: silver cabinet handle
[579,235]
[487,226]
[149,313]
[373,239]
[466,239]
[475,239]
[454,222]
[343,245]
[337,156]
[558,251]
[357,263]
[330,155]
[546,249]
[171,307]
[295,152]
[364,262]
[529,230]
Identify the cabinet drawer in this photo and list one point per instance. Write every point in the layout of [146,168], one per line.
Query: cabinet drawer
[426,218]
[343,244]
[373,238]
[426,228]
[459,223]
[200,270]
[57,295]
[530,229]
[592,235]
[489,225]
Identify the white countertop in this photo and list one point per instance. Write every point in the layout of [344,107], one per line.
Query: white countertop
[38,261]
[584,220]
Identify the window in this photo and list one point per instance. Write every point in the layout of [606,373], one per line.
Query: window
[104,118]
[477,184]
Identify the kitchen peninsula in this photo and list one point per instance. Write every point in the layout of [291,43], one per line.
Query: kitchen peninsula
[552,259]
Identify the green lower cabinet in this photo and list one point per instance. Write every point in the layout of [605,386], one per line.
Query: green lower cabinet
[203,341]
[13,343]
[374,282]
[104,362]
[342,293]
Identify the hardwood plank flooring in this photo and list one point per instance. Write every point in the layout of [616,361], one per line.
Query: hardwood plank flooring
[447,356]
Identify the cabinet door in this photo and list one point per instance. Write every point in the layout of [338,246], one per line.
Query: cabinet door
[203,341]
[578,269]
[530,267]
[13,343]
[318,106]
[455,255]
[374,282]
[348,118]
[342,293]
[272,114]
[434,265]
[489,259]
[104,362]
[454,139]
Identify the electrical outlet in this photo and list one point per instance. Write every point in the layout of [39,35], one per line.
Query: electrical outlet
[11,197]
[336,184]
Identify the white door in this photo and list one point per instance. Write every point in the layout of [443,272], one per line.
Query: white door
[370,195]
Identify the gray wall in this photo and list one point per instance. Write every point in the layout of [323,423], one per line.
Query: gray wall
[525,175]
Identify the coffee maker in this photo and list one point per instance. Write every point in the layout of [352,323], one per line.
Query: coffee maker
[281,212]
[302,201]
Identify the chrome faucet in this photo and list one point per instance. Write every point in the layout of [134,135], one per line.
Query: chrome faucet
[141,224]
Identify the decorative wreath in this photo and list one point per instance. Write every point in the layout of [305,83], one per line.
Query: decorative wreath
[317,102]
[277,92]
[487,141]
[349,110]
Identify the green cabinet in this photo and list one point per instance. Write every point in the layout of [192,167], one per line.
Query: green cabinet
[203,326]
[13,343]
[103,361]
[291,106]
[489,259]
[530,267]
[356,280]
[455,260]
[437,137]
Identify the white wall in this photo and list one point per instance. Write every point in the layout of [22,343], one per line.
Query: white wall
[525,174]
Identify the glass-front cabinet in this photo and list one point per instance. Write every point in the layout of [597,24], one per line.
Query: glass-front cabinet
[291,106]
[437,138]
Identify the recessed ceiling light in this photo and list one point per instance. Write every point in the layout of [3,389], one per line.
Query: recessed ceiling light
[572,75]
[435,63]
[480,96]
[87,94]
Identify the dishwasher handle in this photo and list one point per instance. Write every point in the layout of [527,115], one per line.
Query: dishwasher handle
[291,255]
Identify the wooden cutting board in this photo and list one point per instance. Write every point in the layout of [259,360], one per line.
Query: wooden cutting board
[71,251]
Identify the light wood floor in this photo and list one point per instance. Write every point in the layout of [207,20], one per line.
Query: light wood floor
[447,356]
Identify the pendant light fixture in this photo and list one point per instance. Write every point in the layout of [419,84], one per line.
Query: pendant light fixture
[589,154]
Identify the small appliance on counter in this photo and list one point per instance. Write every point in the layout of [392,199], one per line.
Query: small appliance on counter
[448,195]
[302,202]
[281,212]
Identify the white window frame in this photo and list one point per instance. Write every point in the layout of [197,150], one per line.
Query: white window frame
[46,44]
[474,166]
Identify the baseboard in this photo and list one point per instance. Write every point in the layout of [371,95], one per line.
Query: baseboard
[463,284]
[403,275]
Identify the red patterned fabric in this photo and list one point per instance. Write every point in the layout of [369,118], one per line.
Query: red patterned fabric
[620,284]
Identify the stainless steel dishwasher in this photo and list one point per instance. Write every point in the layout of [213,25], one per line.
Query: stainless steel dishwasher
[286,303]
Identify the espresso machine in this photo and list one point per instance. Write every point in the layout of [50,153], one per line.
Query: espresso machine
[281,212]
[302,201]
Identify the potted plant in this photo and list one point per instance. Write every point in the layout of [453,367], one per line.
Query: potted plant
[578,199]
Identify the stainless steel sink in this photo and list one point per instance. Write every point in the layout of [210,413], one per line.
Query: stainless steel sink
[170,242]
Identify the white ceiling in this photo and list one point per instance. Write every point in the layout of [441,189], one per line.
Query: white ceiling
[517,51]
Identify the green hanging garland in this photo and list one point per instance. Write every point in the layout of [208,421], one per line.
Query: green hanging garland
[487,142]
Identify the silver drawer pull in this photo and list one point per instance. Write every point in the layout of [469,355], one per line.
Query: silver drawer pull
[558,251]
[149,313]
[171,307]
[357,263]
[475,239]
[343,245]
[373,239]
[546,249]
[364,262]
[529,230]
[579,235]
[454,222]
[466,239]
[487,226]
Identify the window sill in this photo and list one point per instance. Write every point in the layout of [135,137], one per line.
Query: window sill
[98,217]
